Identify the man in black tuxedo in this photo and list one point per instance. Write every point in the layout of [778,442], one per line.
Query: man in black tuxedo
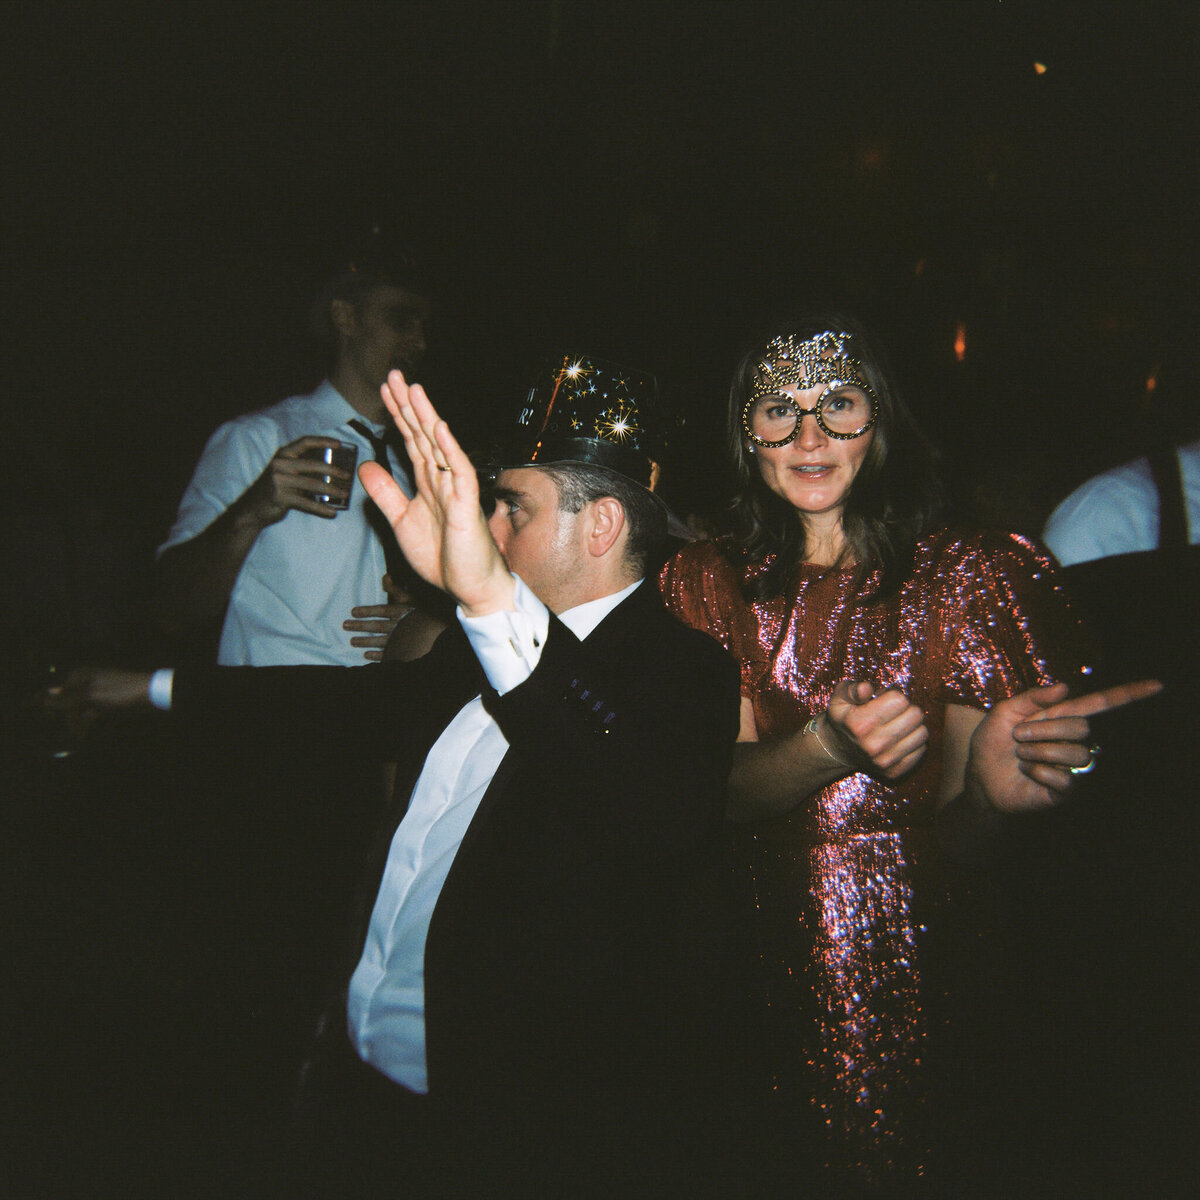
[526,1012]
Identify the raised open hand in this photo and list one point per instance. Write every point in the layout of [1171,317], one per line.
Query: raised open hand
[441,530]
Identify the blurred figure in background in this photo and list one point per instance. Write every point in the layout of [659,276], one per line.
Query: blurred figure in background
[1140,505]
[1123,953]
[283,543]
[1129,540]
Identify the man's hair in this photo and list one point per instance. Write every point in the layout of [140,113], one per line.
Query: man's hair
[579,484]
[355,282]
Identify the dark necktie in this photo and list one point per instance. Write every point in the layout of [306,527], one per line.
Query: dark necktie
[397,567]
[379,443]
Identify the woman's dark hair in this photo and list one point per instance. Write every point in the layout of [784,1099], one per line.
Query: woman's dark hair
[893,501]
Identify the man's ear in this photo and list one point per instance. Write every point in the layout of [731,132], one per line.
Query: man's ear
[606,524]
[343,317]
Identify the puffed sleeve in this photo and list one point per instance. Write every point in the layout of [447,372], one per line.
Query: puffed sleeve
[700,586]
[1006,620]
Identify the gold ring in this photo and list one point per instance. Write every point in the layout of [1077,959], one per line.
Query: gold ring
[441,468]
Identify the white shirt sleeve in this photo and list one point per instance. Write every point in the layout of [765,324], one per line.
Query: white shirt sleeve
[160,688]
[233,458]
[509,644]
[1112,513]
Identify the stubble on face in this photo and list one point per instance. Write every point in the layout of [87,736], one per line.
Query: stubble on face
[540,542]
[389,333]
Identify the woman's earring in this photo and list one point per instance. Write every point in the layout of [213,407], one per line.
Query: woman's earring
[749,449]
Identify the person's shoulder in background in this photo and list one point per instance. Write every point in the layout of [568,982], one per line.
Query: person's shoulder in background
[1115,512]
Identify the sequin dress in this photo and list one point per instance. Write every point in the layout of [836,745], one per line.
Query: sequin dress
[848,885]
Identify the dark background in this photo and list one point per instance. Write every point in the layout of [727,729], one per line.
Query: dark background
[651,181]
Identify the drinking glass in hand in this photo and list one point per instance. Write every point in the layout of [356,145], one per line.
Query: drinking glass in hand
[345,457]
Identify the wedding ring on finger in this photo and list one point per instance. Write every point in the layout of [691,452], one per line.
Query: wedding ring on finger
[441,468]
[1093,754]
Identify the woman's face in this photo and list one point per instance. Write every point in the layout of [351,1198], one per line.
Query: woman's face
[813,472]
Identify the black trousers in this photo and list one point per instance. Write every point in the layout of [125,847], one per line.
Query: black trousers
[360,1136]
[357,1135]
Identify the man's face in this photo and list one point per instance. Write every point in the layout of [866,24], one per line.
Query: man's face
[539,542]
[387,333]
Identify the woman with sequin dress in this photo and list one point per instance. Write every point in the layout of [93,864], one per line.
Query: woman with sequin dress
[899,696]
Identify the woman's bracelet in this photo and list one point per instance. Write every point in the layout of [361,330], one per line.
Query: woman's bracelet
[814,727]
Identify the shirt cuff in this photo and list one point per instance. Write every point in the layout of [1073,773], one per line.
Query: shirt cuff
[509,644]
[160,688]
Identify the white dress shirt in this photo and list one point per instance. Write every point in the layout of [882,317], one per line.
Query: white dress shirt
[386,1000]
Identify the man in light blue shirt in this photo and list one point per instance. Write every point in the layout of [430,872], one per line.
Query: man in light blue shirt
[282,544]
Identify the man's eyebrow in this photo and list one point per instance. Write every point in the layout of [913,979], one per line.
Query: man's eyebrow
[508,493]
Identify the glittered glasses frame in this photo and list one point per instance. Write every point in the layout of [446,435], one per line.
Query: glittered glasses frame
[801,413]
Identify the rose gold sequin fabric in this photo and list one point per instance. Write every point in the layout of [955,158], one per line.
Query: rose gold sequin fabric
[843,884]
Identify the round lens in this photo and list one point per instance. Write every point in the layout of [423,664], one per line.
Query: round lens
[771,418]
[847,411]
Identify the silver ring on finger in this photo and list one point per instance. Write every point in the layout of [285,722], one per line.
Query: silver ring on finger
[1090,766]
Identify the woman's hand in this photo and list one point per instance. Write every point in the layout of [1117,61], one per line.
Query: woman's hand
[883,735]
[1022,752]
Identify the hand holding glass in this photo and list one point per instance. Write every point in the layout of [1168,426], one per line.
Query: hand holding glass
[343,456]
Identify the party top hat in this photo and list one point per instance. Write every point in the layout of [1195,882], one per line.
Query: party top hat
[591,410]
